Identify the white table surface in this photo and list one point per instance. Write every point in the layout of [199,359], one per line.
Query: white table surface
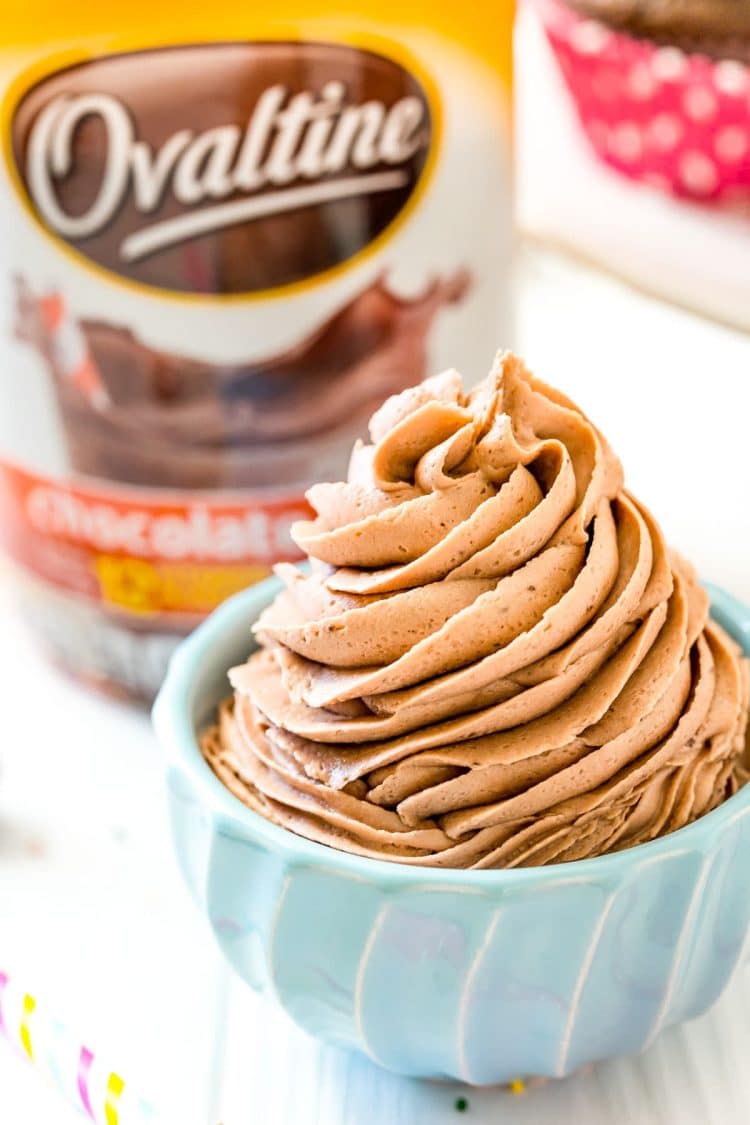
[96,922]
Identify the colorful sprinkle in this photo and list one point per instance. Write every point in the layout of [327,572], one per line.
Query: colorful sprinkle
[3,985]
[517,1086]
[85,1061]
[115,1086]
[55,1053]
[461,1105]
[29,1003]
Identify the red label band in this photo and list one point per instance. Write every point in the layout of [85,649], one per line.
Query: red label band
[144,554]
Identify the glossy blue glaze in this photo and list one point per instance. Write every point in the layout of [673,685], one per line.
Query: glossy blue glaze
[476,975]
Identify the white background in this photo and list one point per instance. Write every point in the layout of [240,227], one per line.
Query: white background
[95,921]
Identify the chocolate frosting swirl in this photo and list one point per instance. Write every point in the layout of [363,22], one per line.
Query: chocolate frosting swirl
[493,660]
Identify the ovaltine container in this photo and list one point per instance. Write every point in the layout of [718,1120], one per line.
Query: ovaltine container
[228,231]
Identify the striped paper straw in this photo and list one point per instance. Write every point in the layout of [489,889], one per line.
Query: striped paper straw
[80,1076]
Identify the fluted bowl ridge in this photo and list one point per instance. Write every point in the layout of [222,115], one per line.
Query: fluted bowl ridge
[481,976]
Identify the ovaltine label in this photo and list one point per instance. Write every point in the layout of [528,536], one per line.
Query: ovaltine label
[222,249]
[314,144]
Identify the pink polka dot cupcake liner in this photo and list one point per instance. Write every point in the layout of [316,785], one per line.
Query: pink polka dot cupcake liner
[675,120]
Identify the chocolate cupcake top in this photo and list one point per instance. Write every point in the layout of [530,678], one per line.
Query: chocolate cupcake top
[494,660]
[718,28]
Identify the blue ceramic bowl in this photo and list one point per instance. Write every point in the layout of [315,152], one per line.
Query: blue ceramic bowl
[480,976]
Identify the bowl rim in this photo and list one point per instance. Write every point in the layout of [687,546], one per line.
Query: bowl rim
[176,733]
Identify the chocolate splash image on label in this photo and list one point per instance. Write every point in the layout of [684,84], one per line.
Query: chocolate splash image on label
[223,168]
[138,415]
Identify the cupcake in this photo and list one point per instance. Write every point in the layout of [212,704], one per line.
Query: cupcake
[662,89]
[717,28]
[493,660]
